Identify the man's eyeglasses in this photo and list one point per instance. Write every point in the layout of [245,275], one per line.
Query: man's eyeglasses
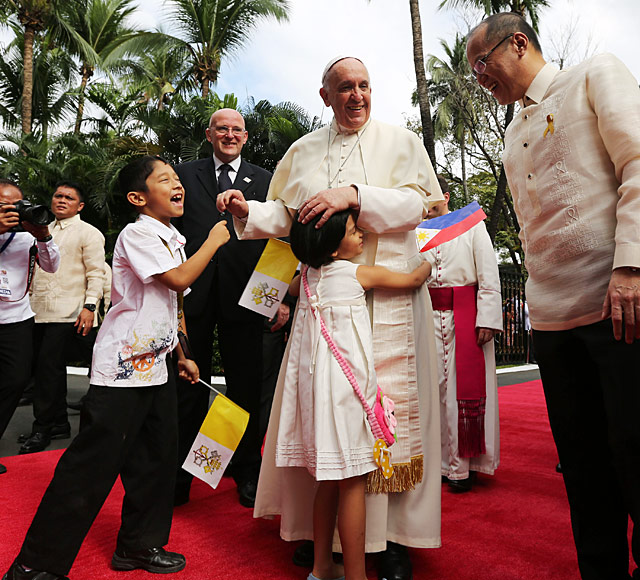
[223,130]
[481,64]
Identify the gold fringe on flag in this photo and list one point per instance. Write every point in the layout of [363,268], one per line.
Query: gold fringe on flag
[405,476]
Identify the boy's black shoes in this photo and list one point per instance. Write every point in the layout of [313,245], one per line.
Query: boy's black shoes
[17,572]
[156,560]
[3,469]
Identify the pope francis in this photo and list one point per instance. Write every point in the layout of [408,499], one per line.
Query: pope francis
[384,173]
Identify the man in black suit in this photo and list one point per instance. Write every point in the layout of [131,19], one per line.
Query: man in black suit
[213,300]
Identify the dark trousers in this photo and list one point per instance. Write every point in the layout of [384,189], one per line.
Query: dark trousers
[16,347]
[592,388]
[126,431]
[241,351]
[50,392]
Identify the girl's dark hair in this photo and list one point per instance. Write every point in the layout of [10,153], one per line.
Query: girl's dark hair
[133,176]
[314,246]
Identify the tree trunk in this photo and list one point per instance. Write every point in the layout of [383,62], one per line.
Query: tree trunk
[501,189]
[205,88]
[27,83]
[86,73]
[463,162]
[421,81]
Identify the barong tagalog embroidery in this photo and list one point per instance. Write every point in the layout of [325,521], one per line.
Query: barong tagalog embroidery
[550,128]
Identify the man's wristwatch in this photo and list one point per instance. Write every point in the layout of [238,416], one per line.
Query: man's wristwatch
[90,307]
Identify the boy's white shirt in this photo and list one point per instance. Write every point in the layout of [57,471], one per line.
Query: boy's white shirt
[141,326]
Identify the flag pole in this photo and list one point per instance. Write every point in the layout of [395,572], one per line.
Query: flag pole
[210,387]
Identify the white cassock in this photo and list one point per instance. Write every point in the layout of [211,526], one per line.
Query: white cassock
[392,172]
[467,260]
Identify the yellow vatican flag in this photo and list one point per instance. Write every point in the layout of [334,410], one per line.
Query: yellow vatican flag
[270,280]
[221,431]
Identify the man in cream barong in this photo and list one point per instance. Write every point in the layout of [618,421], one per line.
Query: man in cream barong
[384,173]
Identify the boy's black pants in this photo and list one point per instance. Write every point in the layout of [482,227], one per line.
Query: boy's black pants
[126,431]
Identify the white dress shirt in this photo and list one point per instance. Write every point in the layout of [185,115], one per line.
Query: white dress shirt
[142,324]
[14,268]
[572,158]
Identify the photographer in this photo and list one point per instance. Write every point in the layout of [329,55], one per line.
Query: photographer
[17,264]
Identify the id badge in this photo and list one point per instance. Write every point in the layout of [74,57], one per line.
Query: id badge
[5,290]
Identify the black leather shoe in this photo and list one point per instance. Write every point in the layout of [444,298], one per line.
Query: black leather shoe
[156,560]
[461,485]
[3,469]
[17,572]
[57,432]
[247,493]
[303,555]
[25,401]
[37,442]
[394,563]
[559,468]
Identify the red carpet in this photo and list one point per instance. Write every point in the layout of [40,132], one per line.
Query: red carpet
[513,526]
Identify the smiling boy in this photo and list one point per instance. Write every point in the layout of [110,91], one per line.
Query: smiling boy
[129,414]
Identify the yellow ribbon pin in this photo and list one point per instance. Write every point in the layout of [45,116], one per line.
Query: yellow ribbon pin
[549,128]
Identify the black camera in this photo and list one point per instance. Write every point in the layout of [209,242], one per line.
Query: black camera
[37,215]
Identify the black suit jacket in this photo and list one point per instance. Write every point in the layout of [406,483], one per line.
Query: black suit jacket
[228,272]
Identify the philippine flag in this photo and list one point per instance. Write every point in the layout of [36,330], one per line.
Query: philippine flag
[436,231]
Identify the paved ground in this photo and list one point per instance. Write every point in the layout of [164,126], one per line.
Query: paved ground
[77,385]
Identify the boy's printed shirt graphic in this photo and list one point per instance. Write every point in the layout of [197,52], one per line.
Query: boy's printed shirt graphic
[139,358]
[141,327]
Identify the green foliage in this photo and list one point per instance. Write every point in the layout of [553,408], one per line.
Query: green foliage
[272,130]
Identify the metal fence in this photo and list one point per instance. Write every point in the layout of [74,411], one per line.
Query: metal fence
[513,344]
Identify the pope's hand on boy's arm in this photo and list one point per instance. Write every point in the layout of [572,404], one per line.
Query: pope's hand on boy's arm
[234,202]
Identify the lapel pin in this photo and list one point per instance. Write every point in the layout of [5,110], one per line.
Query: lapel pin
[549,128]
[247,180]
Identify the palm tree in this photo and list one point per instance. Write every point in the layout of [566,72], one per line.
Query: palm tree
[422,90]
[212,29]
[101,24]
[273,129]
[421,81]
[53,68]
[35,16]
[525,8]
[454,98]
[161,72]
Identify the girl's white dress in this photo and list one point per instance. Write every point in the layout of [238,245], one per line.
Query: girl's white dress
[323,425]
